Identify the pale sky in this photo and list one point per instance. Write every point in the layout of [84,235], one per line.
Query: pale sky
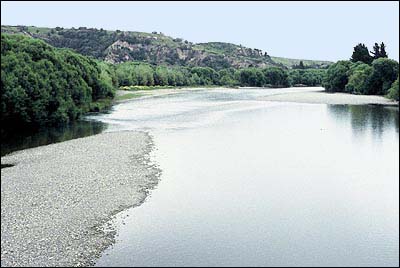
[307,30]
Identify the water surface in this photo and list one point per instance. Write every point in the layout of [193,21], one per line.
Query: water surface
[254,183]
[19,140]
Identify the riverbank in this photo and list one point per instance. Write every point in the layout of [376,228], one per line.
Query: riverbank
[316,95]
[56,198]
[319,96]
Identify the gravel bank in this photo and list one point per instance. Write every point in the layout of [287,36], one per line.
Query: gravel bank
[57,198]
[318,95]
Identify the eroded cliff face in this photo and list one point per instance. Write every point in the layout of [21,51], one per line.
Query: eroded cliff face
[121,51]
[188,55]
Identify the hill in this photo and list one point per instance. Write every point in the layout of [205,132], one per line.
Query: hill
[308,63]
[154,48]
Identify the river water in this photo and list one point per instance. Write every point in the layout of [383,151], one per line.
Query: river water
[247,182]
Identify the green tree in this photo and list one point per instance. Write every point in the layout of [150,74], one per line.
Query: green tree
[43,85]
[207,75]
[359,79]
[274,76]
[144,75]
[383,53]
[384,74]
[376,51]
[361,53]
[337,76]
[161,76]
[393,92]
[379,51]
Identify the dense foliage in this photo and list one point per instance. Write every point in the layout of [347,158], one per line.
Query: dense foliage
[393,92]
[142,74]
[337,76]
[306,77]
[361,53]
[44,85]
[364,74]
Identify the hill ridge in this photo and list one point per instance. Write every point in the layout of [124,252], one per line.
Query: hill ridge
[155,48]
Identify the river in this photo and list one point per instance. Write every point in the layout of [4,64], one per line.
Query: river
[247,182]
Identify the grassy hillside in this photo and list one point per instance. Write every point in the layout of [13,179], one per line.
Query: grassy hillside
[308,63]
[155,48]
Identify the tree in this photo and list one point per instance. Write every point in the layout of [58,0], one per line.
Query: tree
[361,53]
[300,66]
[376,51]
[385,73]
[42,85]
[337,76]
[251,77]
[379,51]
[208,76]
[393,92]
[275,76]
[383,53]
[359,79]
[161,76]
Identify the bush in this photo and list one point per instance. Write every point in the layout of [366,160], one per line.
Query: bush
[306,77]
[359,79]
[393,92]
[44,85]
[337,76]
[385,73]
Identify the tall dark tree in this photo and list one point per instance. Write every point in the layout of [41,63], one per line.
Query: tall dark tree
[361,53]
[376,51]
[301,65]
[379,51]
[383,53]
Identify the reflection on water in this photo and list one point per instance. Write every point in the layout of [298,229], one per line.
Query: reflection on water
[366,118]
[255,183]
[11,142]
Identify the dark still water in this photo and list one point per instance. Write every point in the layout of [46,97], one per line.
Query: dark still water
[255,183]
[11,142]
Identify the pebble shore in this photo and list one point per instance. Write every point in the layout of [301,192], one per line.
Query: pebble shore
[56,199]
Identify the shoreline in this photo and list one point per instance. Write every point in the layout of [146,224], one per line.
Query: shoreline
[317,95]
[311,95]
[91,180]
[57,198]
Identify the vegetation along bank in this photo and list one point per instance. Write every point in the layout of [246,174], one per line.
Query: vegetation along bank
[44,85]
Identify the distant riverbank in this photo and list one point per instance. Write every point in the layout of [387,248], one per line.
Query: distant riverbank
[297,94]
[319,95]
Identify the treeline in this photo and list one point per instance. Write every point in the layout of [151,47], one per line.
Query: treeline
[141,74]
[365,74]
[43,85]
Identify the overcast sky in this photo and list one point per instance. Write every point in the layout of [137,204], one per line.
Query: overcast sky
[307,30]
